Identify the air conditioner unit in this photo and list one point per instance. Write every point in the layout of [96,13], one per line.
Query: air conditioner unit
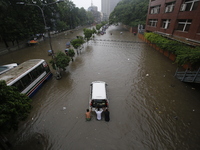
[183,7]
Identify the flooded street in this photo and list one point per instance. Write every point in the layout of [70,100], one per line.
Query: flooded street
[149,108]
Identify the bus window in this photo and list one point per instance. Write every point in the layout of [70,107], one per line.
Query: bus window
[40,69]
[26,80]
[36,72]
[18,85]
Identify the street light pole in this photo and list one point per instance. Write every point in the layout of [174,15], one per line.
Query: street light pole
[58,76]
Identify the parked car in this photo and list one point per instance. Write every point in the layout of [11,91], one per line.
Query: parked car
[98,95]
[7,67]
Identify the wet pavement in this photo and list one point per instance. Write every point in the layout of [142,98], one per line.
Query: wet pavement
[149,108]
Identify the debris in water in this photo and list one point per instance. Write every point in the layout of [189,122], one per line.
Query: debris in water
[176,117]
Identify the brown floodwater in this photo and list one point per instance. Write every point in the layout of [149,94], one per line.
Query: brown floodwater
[149,108]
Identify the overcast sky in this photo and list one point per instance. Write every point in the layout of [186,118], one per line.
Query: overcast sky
[87,3]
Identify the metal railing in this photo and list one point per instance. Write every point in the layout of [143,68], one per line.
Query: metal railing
[188,76]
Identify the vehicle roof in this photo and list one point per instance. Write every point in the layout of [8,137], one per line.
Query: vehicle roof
[99,90]
[20,70]
[7,67]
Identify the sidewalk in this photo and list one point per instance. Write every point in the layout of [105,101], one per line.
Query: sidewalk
[23,44]
[4,50]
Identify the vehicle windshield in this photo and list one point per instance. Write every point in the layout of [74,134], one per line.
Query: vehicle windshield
[99,103]
[2,68]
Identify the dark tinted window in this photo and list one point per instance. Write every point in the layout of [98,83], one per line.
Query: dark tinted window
[37,72]
[18,85]
[26,80]
[99,103]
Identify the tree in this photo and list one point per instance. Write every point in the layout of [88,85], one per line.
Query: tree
[76,43]
[98,27]
[130,12]
[19,22]
[61,25]
[14,107]
[61,61]
[94,31]
[88,33]
[71,54]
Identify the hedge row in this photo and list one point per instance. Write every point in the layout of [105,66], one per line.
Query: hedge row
[184,53]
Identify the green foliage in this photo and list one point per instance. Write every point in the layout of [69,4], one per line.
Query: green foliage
[61,25]
[19,22]
[184,53]
[71,53]
[88,33]
[14,107]
[130,12]
[61,60]
[98,26]
[94,31]
[76,43]
[80,37]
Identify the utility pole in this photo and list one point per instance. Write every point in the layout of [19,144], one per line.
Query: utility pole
[58,75]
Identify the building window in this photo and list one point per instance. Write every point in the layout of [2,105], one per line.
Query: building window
[184,25]
[155,10]
[169,7]
[189,5]
[153,22]
[165,23]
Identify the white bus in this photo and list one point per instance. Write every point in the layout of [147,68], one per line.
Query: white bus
[28,76]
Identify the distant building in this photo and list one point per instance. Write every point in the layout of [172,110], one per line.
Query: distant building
[107,6]
[178,18]
[94,10]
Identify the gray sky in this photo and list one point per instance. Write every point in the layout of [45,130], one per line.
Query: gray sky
[87,3]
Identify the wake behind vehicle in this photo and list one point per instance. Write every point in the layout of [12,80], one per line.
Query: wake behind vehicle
[98,95]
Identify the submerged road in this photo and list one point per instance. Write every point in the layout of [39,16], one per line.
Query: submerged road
[149,108]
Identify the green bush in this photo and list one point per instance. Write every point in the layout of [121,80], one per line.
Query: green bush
[184,53]
[61,60]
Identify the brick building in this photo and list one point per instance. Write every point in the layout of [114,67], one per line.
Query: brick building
[175,18]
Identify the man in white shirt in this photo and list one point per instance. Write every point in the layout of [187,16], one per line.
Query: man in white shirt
[98,112]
